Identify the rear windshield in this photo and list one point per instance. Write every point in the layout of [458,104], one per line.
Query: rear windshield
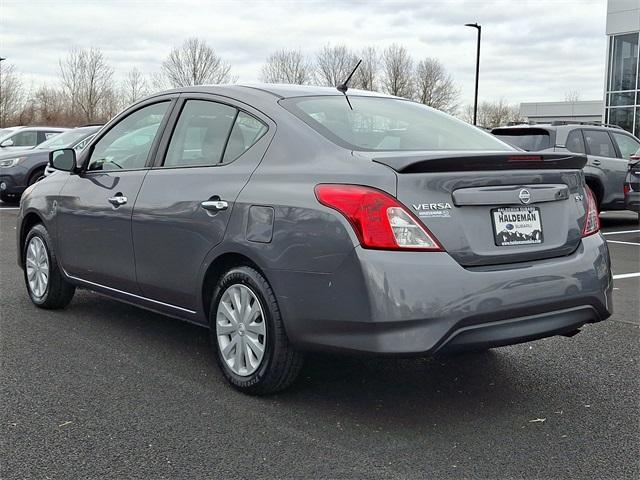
[529,140]
[380,124]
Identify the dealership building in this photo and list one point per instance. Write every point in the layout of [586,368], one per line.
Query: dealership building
[621,103]
[622,100]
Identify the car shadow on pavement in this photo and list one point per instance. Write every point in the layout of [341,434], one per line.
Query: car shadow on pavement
[389,393]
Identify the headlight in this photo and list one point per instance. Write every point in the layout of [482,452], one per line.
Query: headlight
[10,162]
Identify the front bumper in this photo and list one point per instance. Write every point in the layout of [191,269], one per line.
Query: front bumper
[12,184]
[411,303]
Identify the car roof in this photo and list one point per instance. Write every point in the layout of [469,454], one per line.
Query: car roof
[49,129]
[562,127]
[272,90]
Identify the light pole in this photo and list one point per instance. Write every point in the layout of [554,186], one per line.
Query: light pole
[475,100]
[1,99]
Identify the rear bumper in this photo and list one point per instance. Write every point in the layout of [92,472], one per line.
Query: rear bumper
[632,201]
[410,303]
[519,330]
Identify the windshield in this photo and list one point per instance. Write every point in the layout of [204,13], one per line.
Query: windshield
[5,132]
[64,140]
[379,124]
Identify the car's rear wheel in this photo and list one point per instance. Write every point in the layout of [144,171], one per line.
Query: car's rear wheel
[248,335]
[46,285]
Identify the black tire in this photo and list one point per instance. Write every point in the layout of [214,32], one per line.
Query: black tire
[58,292]
[9,198]
[36,176]
[281,362]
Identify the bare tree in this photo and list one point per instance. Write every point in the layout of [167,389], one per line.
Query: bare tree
[287,66]
[435,87]
[366,77]
[493,114]
[572,96]
[397,74]
[86,80]
[334,64]
[195,63]
[50,105]
[11,95]
[134,86]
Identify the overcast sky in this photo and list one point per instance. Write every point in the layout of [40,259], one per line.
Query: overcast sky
[531,50]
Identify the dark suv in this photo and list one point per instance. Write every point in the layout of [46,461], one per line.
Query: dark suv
[608,150]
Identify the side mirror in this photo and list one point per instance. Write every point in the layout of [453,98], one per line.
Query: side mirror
[7,143]
[63,159]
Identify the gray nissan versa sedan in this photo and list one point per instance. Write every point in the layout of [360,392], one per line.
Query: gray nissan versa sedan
[290,218]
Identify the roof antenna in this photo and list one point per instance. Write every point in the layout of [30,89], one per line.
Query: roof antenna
[344,86]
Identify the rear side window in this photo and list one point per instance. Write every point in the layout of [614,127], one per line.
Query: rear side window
[529,139]
[246,131]
[626,144]
[380,124]
[210,133]
[599,143]
[575,142]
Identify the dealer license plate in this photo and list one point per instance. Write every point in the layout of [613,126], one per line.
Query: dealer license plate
[516,226]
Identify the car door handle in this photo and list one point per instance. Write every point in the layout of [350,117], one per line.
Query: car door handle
[117,200]
[215,205]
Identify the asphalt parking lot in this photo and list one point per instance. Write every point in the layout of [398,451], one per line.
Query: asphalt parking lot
[106,390]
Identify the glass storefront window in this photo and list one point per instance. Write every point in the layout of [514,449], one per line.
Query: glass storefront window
[622,99]
[636,132]
[622,117]
[624,62]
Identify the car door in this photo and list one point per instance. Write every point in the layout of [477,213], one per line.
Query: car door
[94,207]
[603,162]
[186,201]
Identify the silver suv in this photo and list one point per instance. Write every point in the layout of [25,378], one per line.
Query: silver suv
[608,149]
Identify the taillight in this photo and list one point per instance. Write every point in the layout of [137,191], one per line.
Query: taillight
[379,220]
[592,221]
[626,188]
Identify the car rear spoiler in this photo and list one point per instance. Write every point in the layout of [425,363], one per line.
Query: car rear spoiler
[477,161]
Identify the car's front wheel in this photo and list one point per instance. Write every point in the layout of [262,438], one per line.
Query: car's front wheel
[248,334]
[46,285]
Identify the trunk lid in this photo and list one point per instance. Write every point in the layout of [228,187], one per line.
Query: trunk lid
[489,208]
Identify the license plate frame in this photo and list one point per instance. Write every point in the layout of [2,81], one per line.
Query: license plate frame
[526,226]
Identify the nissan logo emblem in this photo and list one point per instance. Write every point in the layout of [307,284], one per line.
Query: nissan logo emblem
[524,196]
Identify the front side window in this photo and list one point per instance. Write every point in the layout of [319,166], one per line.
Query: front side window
[626,144]
[25,139]
[599,143]
[379,124]
[127,145]
[574,142]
